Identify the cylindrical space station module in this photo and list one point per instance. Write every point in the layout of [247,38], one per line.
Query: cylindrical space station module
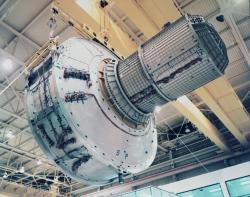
[92,113]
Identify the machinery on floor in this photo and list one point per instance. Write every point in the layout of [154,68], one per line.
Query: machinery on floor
[92,113]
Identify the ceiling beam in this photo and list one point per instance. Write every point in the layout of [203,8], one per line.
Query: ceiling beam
[11,29]
[23,153]
[124,26]
[221,98]
[31,191]
[88,21]
[148,16]
[9,8]
[33,21]
[11,169]
[238,37]
[194,115]
[13,58]
[136,14]
[155,167]
[150,178]
[13,115]
[18,130]
[3,6]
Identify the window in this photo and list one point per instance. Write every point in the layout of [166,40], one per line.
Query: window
[209,191]
[148,192]
[239,187]
[143,192]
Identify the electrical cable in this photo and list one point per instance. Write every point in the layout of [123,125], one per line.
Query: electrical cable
[21,73]
[194,156]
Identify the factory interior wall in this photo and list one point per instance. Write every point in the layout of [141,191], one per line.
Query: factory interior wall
[219,176]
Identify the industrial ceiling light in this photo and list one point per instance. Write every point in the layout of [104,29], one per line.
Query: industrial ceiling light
[7,64]
[56,178]
[21,169]
[182,99]
[53,188]
[39,162]
[187,130]
[157,109]
[5,175]
[10,135]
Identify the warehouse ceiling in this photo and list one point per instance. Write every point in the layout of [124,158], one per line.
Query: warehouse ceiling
[182,147]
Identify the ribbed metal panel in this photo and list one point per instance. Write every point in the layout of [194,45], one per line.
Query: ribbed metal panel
[214,45]
[131,75]
[120,100]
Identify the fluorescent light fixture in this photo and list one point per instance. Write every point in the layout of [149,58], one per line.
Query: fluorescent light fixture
[157,109]
[10,135]
[53,188]
[56,178]
[7,64]
[215,190]
[39,162]
[21,169]
[182,99]
[187,130]
[5,175]
[245,182]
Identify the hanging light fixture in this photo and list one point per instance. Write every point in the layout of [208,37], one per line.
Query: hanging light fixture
[21,169]
[5,175]
[10,135]
[39,162]
[7,64]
